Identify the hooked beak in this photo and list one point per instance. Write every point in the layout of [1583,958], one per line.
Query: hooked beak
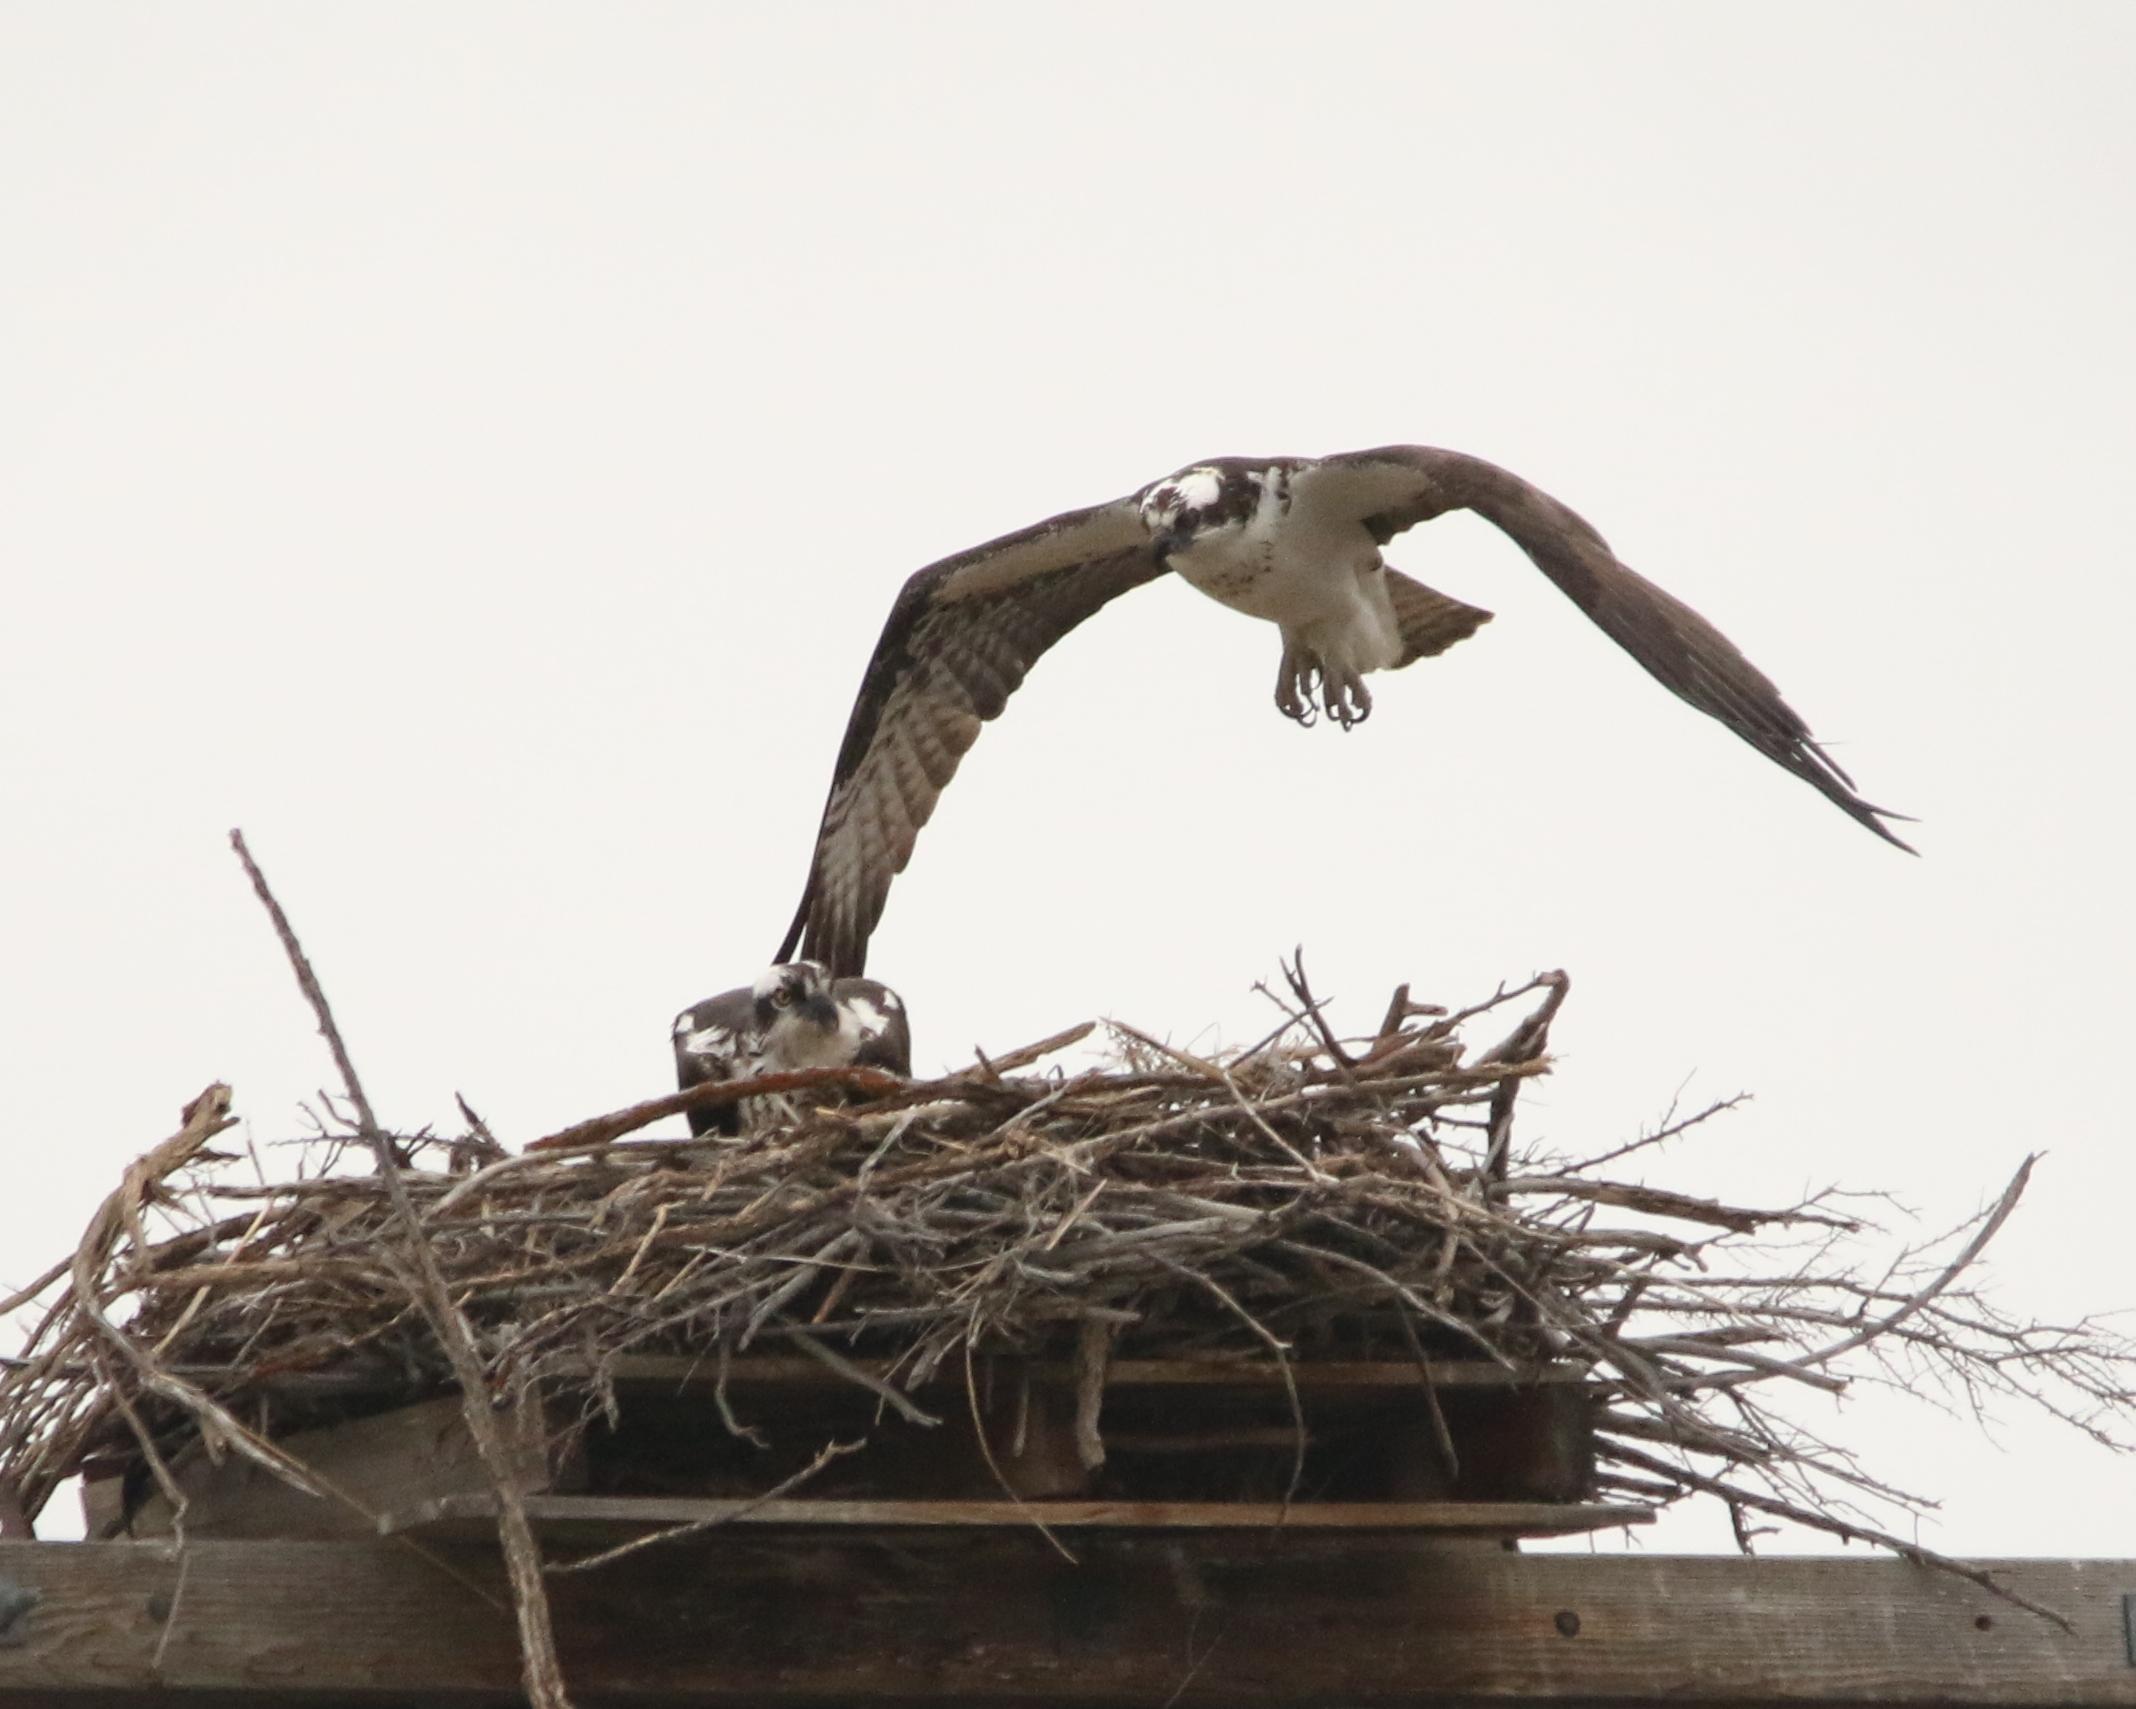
[1172,540]
[821,1012]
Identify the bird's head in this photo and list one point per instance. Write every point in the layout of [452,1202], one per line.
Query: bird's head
[794,997]
[1210,499]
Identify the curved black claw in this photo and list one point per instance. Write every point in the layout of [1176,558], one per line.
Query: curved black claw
[1349,701]
[1294,688]
[1307,686]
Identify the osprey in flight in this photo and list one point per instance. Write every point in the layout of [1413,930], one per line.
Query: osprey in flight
[795,1016]
[1294,540]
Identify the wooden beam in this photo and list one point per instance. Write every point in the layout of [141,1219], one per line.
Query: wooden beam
[585,1516]
[747,1619]
[368,1466]
[678,1372]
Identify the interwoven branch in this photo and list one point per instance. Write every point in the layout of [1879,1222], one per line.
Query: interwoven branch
[1310,1197]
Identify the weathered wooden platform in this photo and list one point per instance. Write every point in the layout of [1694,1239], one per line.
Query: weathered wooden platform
[740,1619]
[1176,1573]
[1451,1447]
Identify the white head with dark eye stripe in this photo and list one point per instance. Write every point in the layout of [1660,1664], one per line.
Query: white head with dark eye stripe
[791,1001]
[1197,504]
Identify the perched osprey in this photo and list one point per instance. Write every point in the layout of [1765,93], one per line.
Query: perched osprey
[795,1016]
[1294,540]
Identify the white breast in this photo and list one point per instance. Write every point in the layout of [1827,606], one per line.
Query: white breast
[1319,582]
[806,1047]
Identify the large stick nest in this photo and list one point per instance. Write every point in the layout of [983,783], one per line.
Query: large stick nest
[1307,1197]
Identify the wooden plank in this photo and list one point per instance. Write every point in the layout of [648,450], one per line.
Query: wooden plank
[760,1621]
[676,1372]
[387,1461]
[1173,1430]
[1319,1376]
[1512,1446]
[583,1515]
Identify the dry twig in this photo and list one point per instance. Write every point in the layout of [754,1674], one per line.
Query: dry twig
[522,1554]
[1277,1206]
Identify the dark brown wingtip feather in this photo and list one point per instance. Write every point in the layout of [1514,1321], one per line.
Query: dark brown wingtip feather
[1672,642]
[817,934]
[1816,768]
[1851,804]
[1876,823]
[845,953]
[787,944]
[820,932]
[1745,701]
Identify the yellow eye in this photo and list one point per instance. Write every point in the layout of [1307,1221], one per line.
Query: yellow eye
[781,997]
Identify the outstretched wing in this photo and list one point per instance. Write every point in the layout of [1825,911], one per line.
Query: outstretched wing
[1398,486]
[960,639]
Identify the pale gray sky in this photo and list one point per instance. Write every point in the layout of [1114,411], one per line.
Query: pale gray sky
[474,448]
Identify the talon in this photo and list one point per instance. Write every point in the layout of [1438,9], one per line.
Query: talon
[1349,701]
[1295,680]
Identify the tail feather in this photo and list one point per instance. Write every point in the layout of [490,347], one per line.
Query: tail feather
[1430,621]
